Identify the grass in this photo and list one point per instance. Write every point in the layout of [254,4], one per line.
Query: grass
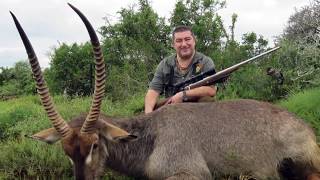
[28,159]
[306,105]
[24,158]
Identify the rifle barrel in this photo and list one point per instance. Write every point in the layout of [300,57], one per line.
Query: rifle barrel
[226,72]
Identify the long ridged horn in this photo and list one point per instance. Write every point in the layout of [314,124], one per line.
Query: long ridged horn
[58,123]
[100,75]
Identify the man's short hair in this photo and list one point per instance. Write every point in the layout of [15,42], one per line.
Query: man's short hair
[181,28]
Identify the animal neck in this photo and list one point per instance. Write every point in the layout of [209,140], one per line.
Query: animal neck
[130,158]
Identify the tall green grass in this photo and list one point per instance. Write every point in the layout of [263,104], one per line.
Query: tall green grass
[307,106]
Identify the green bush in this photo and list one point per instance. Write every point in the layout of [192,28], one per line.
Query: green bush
[7,91]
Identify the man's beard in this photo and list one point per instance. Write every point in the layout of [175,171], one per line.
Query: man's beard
[186,55]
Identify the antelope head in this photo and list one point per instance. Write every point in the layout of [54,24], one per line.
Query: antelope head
[82,144]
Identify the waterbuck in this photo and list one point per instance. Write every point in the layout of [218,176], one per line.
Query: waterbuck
[180,141]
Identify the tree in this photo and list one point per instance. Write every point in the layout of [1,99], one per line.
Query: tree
[305,23]
[16,80]
[253,45]
[133,48]
[23,77]
[6,74]
[301,49]
[71,69]
[139,34]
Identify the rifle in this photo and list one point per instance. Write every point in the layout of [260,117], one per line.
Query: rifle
[210,77]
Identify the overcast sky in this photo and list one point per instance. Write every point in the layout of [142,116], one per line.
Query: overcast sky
[50,22]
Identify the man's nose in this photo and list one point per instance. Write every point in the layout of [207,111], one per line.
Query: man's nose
[184,43]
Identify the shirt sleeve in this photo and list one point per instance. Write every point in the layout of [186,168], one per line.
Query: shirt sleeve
[208,64]
[157,82]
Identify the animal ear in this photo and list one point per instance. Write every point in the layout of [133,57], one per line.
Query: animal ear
[116,134]
[124,139]
[49,136]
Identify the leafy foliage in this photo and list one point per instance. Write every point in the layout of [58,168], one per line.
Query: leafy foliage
[133,47]
[304,23]
[72,69]
[301,52]
[16,80]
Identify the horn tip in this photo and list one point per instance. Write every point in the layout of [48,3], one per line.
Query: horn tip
[12,14]
[71,5]
[15,19]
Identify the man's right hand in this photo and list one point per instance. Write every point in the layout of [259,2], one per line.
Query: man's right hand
[177,98]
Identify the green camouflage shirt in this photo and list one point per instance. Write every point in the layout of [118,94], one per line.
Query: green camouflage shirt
[167,72]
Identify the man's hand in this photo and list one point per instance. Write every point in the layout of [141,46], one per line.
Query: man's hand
[177,98]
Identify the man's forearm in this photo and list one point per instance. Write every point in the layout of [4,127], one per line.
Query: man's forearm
[192,95]
[149,105]
[150,100]
[202,91]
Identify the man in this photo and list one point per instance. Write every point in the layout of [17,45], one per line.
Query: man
[187,62]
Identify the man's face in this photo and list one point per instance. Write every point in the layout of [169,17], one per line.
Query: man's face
[184,44]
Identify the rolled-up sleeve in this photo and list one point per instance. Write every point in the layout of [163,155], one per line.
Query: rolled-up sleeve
[157,82]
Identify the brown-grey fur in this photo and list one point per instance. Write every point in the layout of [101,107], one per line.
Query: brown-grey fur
[203,140]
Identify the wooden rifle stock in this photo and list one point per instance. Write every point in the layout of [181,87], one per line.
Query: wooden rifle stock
[216,77]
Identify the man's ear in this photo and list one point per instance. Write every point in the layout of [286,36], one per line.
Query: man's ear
[116,134]
[49,136]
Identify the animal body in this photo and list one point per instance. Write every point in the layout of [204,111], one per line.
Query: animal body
[181,141]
